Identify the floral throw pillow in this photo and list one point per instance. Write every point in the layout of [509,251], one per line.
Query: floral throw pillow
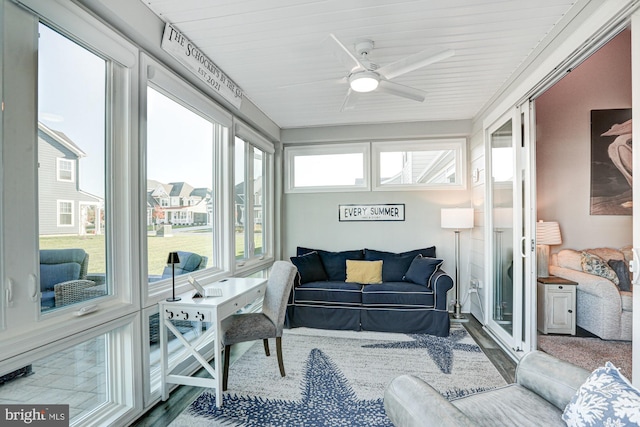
[605,399]
[593,264]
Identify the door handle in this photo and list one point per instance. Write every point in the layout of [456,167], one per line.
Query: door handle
[522,251]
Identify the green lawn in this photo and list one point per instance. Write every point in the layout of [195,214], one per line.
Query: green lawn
[159,247]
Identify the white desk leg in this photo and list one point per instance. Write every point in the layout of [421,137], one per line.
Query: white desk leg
[217,361]
[164,353]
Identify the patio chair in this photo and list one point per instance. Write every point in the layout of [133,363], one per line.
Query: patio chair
[63,277]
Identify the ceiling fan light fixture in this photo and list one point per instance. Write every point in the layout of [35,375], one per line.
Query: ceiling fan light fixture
[365,81]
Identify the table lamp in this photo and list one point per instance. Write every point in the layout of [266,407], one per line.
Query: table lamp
[547,233]
[173,260]
[457,218]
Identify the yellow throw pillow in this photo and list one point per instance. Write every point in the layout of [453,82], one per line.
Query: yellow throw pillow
[365,272]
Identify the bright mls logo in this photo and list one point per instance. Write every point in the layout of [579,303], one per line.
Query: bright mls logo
[34,415]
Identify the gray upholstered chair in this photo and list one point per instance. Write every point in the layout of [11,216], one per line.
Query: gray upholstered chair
[267,324]
[544,386]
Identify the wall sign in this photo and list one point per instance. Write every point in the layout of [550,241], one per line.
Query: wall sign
[371,212]
[182,49]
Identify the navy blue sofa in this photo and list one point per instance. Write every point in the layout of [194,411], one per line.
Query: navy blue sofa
[403,302]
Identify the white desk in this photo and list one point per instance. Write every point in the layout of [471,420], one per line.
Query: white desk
[237,292]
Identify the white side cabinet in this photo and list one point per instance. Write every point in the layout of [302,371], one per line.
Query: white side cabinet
[556,306]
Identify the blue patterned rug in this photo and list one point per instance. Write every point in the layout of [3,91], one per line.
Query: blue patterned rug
[337,378]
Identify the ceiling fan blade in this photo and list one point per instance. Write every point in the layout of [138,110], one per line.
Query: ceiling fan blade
[342,54]
[349,101]
[413,62]
[401,90]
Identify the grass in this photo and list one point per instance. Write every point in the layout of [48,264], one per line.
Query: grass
[158,248]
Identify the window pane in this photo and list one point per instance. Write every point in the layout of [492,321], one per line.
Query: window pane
[258,206]
[179,181]
[71,176]
[76,376]
[239,196]
[417,167]
[323,170]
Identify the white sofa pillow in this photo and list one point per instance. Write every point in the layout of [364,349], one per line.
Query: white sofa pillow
[568,258]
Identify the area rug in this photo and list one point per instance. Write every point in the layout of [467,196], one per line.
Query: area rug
[589,353]
[339,377]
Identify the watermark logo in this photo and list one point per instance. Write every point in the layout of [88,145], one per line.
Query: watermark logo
[34,415]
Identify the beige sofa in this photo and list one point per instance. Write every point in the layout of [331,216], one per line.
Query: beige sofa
[602,308]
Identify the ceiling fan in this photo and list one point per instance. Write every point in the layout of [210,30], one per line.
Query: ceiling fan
[366,76]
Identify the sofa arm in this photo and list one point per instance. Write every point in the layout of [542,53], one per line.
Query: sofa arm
[555,380]
[441,283]
[410,402]
[589,283]
[71,292]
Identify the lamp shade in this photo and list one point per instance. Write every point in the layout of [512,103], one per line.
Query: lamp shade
[173,258]
[548,233]
[456,218]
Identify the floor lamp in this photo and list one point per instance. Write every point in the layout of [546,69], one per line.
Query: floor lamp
[547,233]
[457,218]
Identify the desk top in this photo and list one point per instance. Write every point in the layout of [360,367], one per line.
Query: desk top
[231,288]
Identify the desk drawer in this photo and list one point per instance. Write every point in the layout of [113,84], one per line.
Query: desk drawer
[232,306]
[255,294]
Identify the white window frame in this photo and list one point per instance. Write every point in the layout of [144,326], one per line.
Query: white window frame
[59,212]
[459,145]
[72,169]
[290,154]
[253,140]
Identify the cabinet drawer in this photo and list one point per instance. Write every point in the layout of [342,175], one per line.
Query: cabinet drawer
[564,288]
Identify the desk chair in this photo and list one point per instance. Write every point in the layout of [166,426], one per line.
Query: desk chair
[268,324]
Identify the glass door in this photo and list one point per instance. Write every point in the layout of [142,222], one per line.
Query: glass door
[509,237]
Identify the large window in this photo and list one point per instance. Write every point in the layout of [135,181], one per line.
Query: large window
[253,195]
[71,134]
[180,170]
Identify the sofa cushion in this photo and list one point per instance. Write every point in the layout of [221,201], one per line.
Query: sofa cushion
[569,258]
[364,272]
[328,293]
[310,268]
[397,295]
[595,265]
[395,265]
[606,398]
[622,272]
[421,270]
[335,263]
[52,274]
[607,253]
[627,300]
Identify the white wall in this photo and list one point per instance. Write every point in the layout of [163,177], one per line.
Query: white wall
[563,146]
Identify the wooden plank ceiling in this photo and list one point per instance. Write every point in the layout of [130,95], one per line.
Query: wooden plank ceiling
[273,49]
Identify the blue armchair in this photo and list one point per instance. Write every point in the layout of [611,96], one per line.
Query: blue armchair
[63,277]
[189,262]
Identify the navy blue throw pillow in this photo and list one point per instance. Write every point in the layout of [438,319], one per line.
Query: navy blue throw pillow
[310,268]
[395,265]
[421,270]
[335,263]
[622,271]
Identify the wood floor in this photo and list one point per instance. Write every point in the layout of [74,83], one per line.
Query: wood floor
[163,413]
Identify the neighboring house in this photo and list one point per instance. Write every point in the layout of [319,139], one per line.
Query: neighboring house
[178,203]
[240,202]
[421,167]
[64,207]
